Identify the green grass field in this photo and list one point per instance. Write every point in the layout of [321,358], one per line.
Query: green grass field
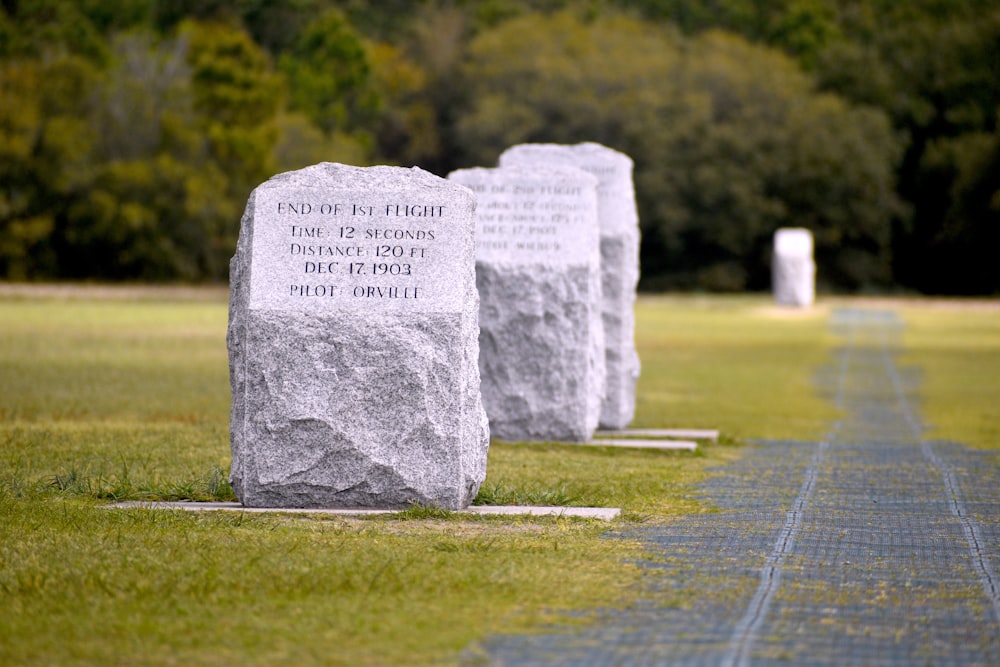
[123,394]
[958,348]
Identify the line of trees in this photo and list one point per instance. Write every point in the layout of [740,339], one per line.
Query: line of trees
[132,131]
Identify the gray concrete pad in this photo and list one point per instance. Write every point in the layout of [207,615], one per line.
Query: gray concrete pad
[604,513]
[687,445]
[686,433]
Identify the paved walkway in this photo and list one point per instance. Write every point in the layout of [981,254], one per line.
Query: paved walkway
[873,547]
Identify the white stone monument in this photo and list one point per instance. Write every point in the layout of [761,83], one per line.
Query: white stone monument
[793,271]
[353,342]
[541,341]
[619,224]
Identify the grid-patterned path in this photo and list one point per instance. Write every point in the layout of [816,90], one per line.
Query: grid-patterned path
[873,547]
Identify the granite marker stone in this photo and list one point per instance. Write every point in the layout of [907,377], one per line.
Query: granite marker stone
[538,272]
[619,223]
[353,342]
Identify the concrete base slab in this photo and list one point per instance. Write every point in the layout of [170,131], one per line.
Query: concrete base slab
[605,513]
[688,433]
[685,445]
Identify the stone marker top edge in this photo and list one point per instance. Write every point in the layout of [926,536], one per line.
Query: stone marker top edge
[617,212]
[381,178]
[566,197]
[584,149]
[529,171]
[273,282]
[793,241]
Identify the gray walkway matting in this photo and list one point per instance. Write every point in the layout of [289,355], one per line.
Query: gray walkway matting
[604,513]
[872,547]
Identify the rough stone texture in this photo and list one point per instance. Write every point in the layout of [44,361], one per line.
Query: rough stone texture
[356,384]
[541,341]
[619,223]
[793,270]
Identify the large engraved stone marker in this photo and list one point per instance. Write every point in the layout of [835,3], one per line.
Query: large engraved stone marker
[353,342]
[793,271]
[619,223]
[541,341]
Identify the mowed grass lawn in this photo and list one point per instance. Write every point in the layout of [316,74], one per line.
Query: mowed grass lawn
[123,394]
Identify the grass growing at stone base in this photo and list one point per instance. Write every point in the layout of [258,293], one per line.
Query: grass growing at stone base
[122,398]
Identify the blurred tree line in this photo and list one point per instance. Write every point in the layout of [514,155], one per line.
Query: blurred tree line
[132,131]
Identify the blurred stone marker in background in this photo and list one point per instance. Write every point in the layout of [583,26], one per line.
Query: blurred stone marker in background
[353,342]
[541,341]
[619,224]
[793,271]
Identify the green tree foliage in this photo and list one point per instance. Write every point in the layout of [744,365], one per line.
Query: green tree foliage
[131,131]
[157,205]
[408,125]
[937,67]
[931,65]
[135,167]
[329,75]
[731,141]
[800,27]
[46,150]
[803,29]
[25,223]
[151,219]
[237,98]
[300,144]
[759,150]
[276,24]
[43,27]
[580,81]
[436,43]
[967,168]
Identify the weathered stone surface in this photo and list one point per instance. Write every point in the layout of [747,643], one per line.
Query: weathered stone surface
[619,224]
[793,271]
[353,342]
[541,341]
